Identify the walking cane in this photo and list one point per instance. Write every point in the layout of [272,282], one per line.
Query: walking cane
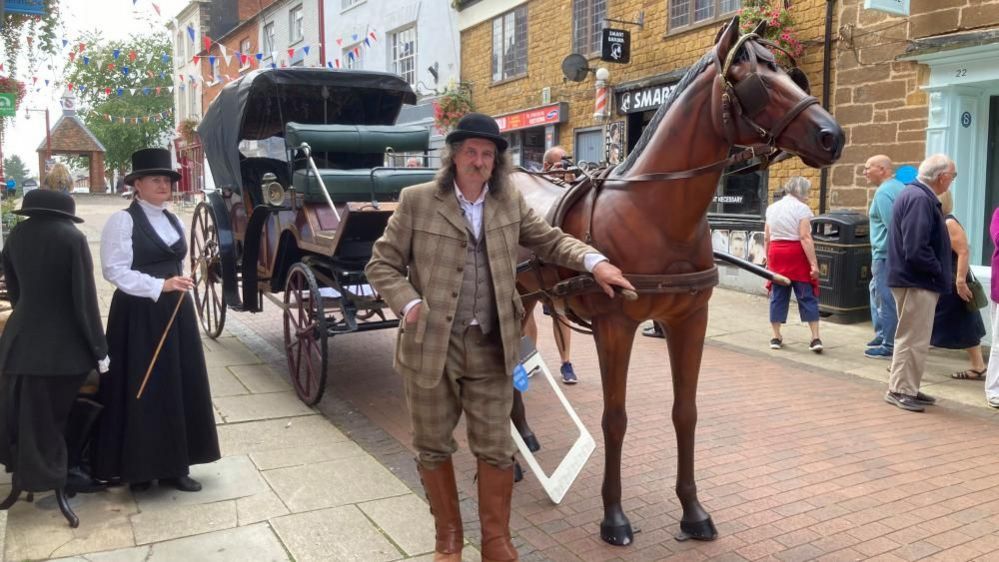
[156,353]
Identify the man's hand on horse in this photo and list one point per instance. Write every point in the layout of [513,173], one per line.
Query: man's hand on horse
[609,276]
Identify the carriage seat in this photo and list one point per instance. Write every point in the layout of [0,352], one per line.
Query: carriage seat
[379,184]
[358,139]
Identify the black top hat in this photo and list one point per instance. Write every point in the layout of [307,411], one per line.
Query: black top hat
[479,126]
[151,162]
[46,202]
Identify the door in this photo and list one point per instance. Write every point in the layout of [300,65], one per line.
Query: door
[589,146]
[991,177]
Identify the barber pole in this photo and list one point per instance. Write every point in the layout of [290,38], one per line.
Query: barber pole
[600,103]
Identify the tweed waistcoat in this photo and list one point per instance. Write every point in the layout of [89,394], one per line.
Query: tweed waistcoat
[476,300]
[150,254]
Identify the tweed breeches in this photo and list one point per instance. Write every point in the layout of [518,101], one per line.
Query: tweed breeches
[473,382]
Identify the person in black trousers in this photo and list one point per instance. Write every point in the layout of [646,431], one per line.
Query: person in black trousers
[52,340]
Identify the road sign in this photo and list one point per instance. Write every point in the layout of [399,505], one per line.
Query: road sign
[616,46]
[8,103]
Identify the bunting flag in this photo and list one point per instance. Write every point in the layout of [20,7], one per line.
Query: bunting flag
[116,53]
[353,37]
[124,70]
[196,59]
[339,42]
[165,58]
[372,35]
[72,56]
[69,86]
[86,60]
[82,46]
[225,53]
[110,66]
[64,43]
[259,56]
[190,32]
[157,8]
[131,55]
[211,60]
[357,51]
[291,52]
[367,42]
[207,42]
[305,50]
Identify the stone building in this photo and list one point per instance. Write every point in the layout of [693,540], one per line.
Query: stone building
[909,86]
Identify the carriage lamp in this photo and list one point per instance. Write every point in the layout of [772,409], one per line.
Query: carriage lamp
[273,190]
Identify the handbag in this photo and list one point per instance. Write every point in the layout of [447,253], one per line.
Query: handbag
[978,297]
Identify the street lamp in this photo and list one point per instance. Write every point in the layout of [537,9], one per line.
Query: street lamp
[48,136]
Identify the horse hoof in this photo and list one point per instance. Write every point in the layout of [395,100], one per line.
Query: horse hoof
[698,530]
[617,535]
[532,442]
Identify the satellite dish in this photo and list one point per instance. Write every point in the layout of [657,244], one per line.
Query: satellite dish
[575,67]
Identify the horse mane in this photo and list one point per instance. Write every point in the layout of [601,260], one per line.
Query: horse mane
[692,73]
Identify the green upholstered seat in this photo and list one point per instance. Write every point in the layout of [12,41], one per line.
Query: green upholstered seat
[380,184]
[358,139]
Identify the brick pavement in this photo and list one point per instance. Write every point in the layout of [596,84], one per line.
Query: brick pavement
[794,461]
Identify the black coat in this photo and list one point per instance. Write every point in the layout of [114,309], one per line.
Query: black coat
[55,328]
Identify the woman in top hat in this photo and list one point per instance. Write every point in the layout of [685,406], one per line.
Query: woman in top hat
[52,340]
[159,436]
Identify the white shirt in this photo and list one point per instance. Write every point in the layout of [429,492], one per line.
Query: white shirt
[472,210]
[784,218]
[116,251]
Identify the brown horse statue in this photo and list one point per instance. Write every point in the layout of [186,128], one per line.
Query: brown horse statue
[648,216]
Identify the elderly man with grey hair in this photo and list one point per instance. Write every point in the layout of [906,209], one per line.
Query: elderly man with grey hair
[919,270]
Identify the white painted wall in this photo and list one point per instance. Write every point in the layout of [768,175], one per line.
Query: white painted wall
[279,15]
[186,105]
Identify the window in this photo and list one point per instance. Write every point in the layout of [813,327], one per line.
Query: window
[348,3]
[245,47]
[180,56]
[587,23]
[192,101]
[351,61]
[510,44]
[689,12]
[269,40]
[741,194]
[296,31]
[404,54]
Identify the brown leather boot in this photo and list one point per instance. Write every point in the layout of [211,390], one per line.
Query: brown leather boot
[442,493]
[495,490]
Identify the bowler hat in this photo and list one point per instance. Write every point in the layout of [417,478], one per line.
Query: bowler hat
[478,126]
[151,162]
[38,202]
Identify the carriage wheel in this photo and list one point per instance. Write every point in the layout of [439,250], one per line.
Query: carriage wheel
[305,334]
[206,269]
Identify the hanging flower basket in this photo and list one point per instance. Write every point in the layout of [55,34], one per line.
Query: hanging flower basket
[780,25]
[451,106]
[188,130]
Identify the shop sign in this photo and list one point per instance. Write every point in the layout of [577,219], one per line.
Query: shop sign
[634,101]
[897,7]
[615,46]
[7,104]
[31,7]
[537,117]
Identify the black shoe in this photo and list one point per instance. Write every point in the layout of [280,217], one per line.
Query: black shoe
[184,483]
[653,331]
[140,486]
[925,399]
[776,343]
[903,401]
[815,345]
[79,482]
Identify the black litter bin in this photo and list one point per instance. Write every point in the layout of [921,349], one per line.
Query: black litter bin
[843,249]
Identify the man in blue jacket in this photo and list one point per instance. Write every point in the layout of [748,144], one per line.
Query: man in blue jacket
[919,270]
[878,170]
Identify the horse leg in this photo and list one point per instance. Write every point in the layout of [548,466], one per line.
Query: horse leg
[518,414]
[614,337]
[685,340]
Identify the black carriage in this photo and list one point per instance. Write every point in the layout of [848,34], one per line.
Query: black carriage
[307,164]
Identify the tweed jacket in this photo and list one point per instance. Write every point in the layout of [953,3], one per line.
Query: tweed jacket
[421,256]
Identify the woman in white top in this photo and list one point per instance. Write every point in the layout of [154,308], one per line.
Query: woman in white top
[173,425]
[790,251]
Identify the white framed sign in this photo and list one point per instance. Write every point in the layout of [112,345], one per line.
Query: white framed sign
[896,7]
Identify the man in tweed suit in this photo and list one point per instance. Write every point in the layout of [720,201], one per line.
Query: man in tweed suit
[447,264]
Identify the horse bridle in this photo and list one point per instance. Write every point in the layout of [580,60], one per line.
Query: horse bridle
[745,100]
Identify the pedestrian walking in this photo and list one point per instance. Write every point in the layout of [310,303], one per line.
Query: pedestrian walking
[173,426]
[955,326]
[992,377]
[787,235]
[459,339]
[919,271]
[879,171]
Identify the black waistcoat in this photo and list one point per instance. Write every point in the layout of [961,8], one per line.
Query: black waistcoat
[150,254]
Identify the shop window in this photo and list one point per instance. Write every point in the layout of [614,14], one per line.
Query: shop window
[510,44]
[587,24]
[404,54]
[514,142]
[743,195]
[296,27]
[683,13]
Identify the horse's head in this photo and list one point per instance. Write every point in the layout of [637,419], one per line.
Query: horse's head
[757,101]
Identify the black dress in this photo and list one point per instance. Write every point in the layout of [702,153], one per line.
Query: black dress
[954,326]
[172,426]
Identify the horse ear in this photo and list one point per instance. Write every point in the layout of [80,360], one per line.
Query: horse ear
[761,28]
[727,37]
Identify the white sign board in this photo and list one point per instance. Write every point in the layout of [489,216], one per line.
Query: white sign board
[897,7]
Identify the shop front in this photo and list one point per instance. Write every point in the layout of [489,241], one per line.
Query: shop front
[531,132]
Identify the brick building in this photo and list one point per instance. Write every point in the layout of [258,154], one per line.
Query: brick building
[914,85]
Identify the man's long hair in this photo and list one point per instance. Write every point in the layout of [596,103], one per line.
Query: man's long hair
[498,182]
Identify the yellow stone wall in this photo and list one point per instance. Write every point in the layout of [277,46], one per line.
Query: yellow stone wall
[654,52]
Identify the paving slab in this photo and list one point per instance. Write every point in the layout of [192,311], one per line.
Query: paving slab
[294,456]
[38,530]
[228,478]
[228,350]
[256,543]
[261,406]
[224,383]
[339,533]
[404,520]
[269,435]
[260,379]
[259,507]
[171,522]
[334,483]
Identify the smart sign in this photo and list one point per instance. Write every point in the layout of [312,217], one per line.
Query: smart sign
[615,46]
[8,103]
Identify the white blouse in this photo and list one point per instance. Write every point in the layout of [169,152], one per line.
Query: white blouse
[784,218]
[116,251]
